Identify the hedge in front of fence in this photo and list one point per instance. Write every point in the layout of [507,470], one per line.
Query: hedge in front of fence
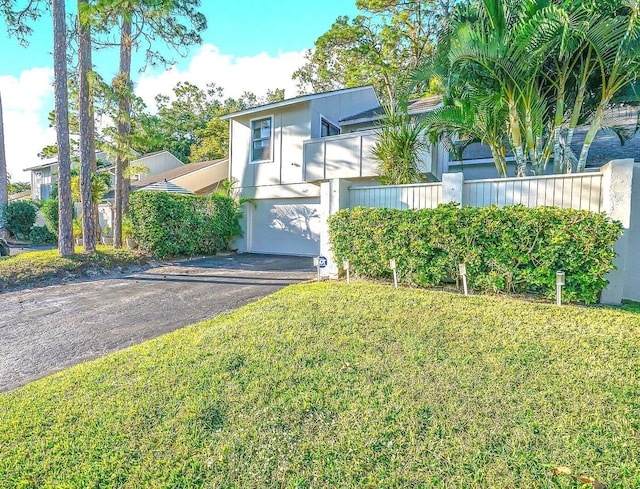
[510,249]
[166,224]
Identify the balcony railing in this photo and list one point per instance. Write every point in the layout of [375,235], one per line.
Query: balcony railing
[342,156]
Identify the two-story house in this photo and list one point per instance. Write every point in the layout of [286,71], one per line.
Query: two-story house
[281,152]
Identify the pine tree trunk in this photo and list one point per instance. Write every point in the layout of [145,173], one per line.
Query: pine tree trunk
[87,132]
[124,129]
[65,213]
[4,180]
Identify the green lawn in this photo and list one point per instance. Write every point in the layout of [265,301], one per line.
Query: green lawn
[329,385]
[48,266]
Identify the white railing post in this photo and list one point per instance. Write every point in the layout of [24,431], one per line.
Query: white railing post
[617,180]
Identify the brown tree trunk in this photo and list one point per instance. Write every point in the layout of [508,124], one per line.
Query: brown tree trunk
[4,179]
[87,130]
[123,89]
[65,234]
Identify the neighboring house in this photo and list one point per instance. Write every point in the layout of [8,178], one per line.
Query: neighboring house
[198,178]
[45,175]
[281,152]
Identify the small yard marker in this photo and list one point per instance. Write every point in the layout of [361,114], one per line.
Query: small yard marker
[392,265]
[463,273]
[345,265]
[316,263]
[560,281]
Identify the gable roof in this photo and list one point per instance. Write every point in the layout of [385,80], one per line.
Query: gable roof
[166,186]
[169,175]
[414,107]
[295,100]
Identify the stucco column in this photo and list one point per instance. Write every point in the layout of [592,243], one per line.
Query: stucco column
[334,195]
[452,187]
[615,200]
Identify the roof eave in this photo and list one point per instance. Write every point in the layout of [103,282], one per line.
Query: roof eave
[292,101]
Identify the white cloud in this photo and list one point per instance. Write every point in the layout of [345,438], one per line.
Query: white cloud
[235,75]
[26,100]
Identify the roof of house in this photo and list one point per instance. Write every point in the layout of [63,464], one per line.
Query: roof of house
[170,174]
[49,162]
[20,195]
[294,100]
[415,106]
[605,147]
[166,186]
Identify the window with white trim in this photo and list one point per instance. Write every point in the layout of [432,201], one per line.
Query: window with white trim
[261,139]
[327,128]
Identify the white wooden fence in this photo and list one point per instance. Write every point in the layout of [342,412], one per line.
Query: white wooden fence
[580,191]
[576,191]
[420,196]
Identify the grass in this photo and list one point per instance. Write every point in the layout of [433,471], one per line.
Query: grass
[329,385]
[46,266]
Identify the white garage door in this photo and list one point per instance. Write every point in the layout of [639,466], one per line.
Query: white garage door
[284,226]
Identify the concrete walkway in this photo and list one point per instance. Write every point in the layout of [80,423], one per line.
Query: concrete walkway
[48,329]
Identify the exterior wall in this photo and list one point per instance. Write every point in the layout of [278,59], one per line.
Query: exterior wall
[291,127]
[340,105]
[632,283]
[158,162]
[42,182]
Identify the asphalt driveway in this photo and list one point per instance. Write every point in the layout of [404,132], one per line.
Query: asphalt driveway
[48,329]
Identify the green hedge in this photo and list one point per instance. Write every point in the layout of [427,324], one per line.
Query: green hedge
[509,249]
[49,209]
[172,224]
[19,217]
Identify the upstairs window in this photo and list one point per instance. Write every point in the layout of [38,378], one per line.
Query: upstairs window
[261,139]
[328,129]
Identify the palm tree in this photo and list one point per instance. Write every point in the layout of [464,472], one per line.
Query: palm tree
[616,47]
[474,119]
[400,143]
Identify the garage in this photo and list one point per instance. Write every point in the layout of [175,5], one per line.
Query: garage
[284,227]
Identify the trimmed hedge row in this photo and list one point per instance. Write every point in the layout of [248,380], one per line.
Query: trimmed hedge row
[509,249]
[168,225]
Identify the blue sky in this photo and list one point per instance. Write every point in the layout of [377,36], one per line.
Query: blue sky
[248,45]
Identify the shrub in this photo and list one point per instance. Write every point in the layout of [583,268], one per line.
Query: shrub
[42,235]
[49,209]
[19,217]
[510,249]
[172,224]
